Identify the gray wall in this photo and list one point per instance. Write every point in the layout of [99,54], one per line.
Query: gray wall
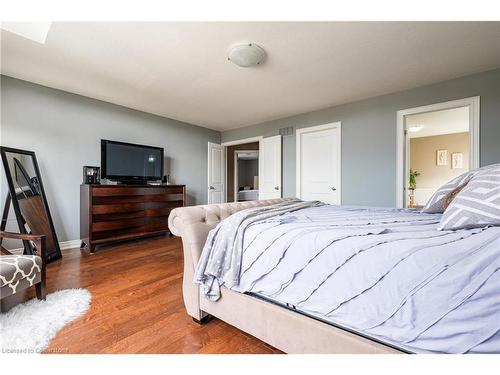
[65,131]
[369,135]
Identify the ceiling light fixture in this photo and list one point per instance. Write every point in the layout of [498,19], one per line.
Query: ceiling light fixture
[246,55]
[415,128]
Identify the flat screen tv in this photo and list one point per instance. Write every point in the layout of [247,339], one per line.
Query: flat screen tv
[130,163]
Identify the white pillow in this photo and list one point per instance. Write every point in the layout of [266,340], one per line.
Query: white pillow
[436,204]
[477,204]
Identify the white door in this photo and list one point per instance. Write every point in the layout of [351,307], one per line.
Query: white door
[270,168]
[215,173]
[318,163]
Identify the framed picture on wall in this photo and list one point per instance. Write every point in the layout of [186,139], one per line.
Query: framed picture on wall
[442,157]
[457,160]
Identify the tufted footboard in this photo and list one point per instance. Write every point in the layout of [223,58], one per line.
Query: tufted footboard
[192,224]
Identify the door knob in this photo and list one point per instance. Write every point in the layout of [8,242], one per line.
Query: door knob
[333,189]
[211,188]
[276,188]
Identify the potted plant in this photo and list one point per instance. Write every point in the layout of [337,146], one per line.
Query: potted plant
[413,179]
[413,186]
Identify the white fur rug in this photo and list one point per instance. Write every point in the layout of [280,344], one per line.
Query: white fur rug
[29,327]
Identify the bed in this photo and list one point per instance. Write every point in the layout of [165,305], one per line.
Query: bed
[248,195]
[332,279]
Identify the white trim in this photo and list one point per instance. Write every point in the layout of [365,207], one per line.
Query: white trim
[401,153]
[224,152]
[235,177]
[260,166]
[298,133]
[63,245]
[241,141]
[69,245]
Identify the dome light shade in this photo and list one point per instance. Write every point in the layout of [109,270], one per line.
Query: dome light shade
[246,55]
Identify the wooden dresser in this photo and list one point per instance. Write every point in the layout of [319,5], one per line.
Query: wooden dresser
[111,213]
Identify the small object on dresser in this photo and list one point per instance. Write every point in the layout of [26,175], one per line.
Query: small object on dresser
[91,175]
[166,179]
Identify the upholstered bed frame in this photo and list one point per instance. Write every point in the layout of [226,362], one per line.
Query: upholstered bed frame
[278,326]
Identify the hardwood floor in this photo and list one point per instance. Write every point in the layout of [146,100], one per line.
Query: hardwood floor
[137,304]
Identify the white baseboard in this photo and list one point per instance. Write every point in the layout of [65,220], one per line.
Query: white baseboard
[70,245]
[63,245]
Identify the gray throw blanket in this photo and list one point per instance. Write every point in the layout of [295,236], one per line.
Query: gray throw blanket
[220,261]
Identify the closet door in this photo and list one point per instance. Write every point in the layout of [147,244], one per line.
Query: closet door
[270,168]
[215,173]
[318,163]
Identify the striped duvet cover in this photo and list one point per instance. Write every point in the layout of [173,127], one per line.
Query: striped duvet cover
[386,273]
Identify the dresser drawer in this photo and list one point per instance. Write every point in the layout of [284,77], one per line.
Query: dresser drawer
[130,207]
[116,224]
[120,191]
[129,223]
[149,212]
[117,199]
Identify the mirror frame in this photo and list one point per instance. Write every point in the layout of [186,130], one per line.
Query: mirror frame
[51,255]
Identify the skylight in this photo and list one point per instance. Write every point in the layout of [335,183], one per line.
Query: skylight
[36,31]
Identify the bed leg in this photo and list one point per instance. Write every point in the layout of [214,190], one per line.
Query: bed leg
[203,320]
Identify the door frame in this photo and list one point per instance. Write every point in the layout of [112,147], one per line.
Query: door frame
[240,142]
[402,157]
[298,154]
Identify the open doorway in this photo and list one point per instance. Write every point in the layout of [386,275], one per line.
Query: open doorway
[246,176]
[438,151]
[257,161]
[440,143]
[242,172]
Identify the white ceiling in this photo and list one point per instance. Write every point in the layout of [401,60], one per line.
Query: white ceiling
[179,70]
[447,121]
